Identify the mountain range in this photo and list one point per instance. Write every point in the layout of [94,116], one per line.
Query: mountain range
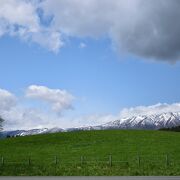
[151,122]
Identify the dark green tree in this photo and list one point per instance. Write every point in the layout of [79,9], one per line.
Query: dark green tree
[1,123]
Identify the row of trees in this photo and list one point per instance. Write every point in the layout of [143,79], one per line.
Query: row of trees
[176,129]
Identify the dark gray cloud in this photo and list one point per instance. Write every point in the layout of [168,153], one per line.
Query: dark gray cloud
[156,33]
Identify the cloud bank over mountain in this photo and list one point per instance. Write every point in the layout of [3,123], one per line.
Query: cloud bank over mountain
[142,28]
[150,110]
[25,114]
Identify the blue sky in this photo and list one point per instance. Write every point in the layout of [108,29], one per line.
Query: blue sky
[102,81]
[101,78]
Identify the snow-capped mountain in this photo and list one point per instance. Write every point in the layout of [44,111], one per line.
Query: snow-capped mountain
[154,122]
[30,132]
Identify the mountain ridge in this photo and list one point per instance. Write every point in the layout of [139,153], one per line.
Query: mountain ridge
[151,122]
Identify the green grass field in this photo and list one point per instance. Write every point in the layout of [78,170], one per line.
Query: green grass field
[133,152]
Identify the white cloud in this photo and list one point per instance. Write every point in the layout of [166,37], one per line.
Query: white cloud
[7,100]
[20,18]
[48,39]
[93,119]
[29,118]
[57,98]
[149,110]
[20,13]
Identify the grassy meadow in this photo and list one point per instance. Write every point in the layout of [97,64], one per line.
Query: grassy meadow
[95,153]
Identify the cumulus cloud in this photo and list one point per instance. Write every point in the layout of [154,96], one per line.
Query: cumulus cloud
[7,100]
[57,98]
[141,28]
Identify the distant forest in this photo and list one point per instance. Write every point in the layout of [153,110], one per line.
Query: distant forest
[176,129]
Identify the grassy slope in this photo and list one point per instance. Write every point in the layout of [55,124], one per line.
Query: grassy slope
[94,145]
